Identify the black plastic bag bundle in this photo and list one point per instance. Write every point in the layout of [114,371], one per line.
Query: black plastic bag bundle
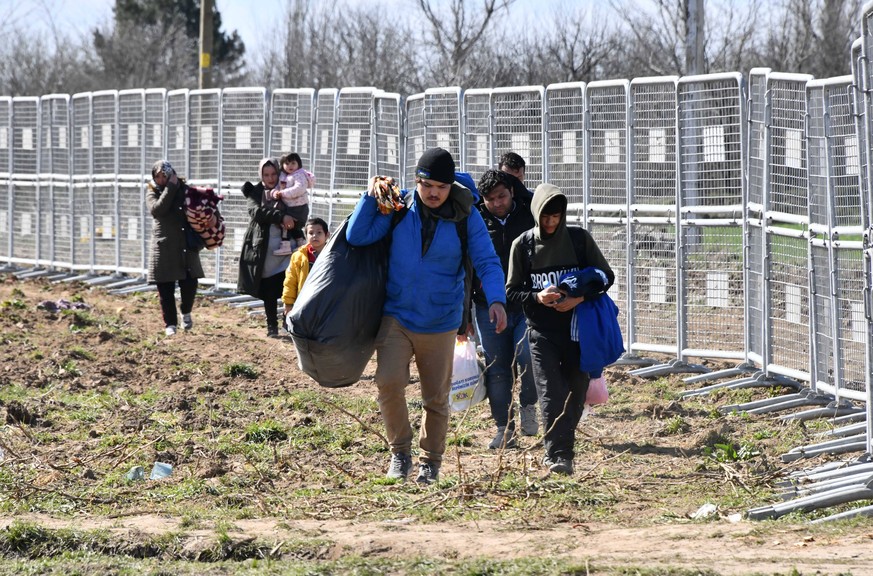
[337,314]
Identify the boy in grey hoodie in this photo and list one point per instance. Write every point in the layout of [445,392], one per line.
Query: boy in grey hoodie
[537,260]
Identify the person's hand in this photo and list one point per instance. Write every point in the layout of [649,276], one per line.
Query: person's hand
[286,309]
[549,296]
[277,194]
[497,315]
[468,333]
[288,222]
[375,183]
[247,188]
[568,303]
[173,179]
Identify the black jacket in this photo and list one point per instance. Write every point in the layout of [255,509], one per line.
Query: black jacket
[517,221]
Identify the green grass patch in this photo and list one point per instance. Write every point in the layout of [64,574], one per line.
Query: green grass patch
[240,370]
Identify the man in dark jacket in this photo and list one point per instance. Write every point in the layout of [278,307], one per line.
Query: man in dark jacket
[538,259]
[506,353]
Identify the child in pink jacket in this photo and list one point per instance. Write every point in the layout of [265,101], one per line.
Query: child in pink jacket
[293,191]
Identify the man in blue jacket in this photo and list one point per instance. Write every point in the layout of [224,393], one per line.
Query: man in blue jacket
[424,302]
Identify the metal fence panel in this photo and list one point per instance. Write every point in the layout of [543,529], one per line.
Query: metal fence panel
[5,179]
[388,134]
[132,137]
[787,162]
[414,128]
[54,178]
[711,154]
[204,135]
[25,193]
[104,184]
[243,134]
[291,118]
[321,199]
[83,237]
[478,144]
[177,133]
[606,155]
[565,139]
[652,272]
[354,140]
[518,127]
[433,119]
[788,294]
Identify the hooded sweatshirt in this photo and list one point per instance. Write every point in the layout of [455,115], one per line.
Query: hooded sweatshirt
[425,287]
[553,255]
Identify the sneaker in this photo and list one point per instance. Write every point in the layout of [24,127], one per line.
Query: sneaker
[530,426]
[272,332]
[547,461]
[503,436]
[561,465]
[428,473]
[284,249]
[400,466]
[170,330]
[187,322]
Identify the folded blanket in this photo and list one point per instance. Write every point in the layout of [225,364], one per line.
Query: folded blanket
[201,209]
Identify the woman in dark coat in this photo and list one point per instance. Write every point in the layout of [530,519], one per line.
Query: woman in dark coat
[172,259]
[262,273]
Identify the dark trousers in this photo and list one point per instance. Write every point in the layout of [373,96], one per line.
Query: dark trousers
[270,292]
[167,295]
[300,214]
[561,387]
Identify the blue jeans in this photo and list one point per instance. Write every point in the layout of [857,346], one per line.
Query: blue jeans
[500,349]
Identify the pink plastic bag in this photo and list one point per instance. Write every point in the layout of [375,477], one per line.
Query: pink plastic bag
[597,392]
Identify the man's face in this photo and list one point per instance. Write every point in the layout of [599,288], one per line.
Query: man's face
[315,236]
[270,176]
[498,201]
[549,222]
[433,193]
[517,172]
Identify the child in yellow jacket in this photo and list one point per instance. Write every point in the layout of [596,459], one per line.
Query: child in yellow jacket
[302,260]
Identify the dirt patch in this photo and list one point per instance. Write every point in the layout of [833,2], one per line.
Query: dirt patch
[645,460]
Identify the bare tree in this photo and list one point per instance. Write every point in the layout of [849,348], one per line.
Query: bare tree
[456,34]
[811,36]
[653,43]
[577,47]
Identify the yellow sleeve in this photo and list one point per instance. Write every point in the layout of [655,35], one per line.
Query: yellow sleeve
[291,285]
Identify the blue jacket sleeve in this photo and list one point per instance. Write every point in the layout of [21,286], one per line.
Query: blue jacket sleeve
[485,260]
[367,225]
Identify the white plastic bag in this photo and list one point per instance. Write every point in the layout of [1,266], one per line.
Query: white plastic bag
[467,386]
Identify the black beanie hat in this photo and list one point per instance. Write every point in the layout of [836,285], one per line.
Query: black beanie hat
[436,164]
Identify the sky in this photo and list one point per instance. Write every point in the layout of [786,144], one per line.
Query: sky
[248,17]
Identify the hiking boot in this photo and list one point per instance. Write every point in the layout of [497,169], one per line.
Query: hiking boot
[503,435]
[170,330]
[561,465]
[428,473]
[187,322]
[530,426]
[400,466]
[284,248]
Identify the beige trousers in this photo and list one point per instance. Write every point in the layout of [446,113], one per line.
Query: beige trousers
[395,347]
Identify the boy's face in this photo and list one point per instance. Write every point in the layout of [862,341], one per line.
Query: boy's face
[549,222]
[290,166]
[315,236]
